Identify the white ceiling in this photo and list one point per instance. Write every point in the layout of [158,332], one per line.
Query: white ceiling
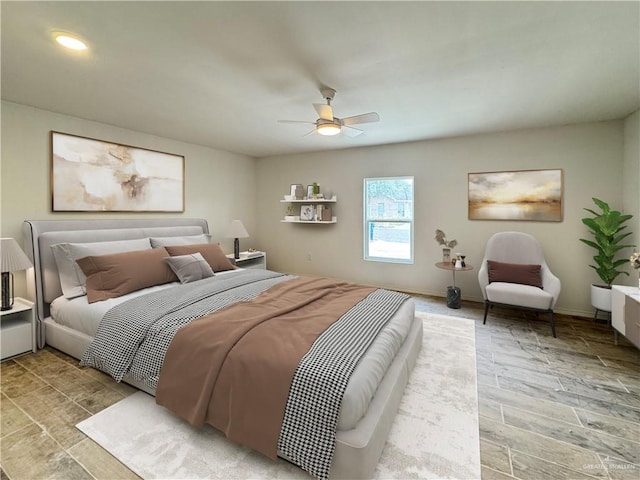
[221,74]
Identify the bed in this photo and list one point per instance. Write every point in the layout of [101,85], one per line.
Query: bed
[65,324]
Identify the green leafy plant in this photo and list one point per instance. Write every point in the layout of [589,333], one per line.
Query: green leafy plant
[606,227]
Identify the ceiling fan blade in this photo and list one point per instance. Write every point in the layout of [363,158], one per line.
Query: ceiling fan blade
[364,118]
[296,121]
[324,111]
[350,131]
[310,133]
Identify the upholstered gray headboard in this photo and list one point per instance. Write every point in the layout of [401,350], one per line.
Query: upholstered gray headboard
[39,235]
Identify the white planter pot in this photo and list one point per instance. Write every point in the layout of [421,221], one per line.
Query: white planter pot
[601,297]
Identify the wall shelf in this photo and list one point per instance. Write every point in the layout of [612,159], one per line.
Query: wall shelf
[333,199]
[314,202]
[333,220]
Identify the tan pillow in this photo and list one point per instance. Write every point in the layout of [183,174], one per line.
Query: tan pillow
[525,274]
[111,276]
[211,252]
[190,268]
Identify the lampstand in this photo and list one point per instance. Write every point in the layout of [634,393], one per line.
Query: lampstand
[237,231]
[7,291]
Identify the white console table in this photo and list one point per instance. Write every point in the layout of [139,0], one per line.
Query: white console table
[625,312]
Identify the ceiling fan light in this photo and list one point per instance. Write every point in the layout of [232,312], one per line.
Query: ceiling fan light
[328,129]
[69,41]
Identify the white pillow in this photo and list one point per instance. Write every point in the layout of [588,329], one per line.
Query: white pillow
[72,279]
[178,241]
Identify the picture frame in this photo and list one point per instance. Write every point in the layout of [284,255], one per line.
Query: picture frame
[90,175]
[307,213]
[294,186]
[520,195]
[309,191]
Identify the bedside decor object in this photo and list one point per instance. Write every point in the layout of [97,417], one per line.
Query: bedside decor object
[94,175]
[534,195]
[237,231]
[606,227]
[307,213]
[13,260]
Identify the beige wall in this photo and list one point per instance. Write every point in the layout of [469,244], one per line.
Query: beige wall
[596,159]
[590,155]
[219,186]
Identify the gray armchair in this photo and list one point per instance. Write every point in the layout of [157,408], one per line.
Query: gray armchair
[510,260]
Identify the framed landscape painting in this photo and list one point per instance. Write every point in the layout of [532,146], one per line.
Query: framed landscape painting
[94,175]
[534,195]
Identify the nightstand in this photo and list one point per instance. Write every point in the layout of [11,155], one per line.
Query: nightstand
[250,260]
[17,329]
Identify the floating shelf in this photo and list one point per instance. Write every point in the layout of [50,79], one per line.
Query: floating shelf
[333,199]
[333,220]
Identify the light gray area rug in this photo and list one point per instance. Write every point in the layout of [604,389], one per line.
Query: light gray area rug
[435,434]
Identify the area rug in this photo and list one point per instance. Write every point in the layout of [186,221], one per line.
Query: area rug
[434,436]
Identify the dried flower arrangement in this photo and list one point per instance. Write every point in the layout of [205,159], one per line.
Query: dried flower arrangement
[441,238]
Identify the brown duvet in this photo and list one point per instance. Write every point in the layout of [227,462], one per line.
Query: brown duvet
[232,369]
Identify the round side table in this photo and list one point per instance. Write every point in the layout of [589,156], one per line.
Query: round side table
[454,295]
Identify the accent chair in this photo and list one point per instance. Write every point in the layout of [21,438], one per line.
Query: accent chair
[515,274]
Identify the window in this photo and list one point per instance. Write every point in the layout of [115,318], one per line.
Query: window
[388,219]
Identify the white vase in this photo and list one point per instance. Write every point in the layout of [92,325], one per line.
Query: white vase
[601,297]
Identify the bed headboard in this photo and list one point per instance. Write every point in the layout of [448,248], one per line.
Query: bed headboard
[39,235]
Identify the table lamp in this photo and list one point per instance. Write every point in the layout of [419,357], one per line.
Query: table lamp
[236,231]
[13,260]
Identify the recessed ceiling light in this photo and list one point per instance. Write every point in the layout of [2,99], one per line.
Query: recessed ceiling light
[69,41]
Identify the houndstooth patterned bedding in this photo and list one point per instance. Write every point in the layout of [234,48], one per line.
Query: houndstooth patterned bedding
[133,338]
[308,430]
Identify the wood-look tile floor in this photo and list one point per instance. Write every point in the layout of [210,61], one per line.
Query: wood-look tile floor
[564,408]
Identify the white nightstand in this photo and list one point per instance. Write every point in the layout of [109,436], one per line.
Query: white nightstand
[17,329]
[259,260]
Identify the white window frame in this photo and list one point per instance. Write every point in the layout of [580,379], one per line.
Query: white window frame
[367,220]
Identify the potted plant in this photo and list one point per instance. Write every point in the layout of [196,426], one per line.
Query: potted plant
[606,227]
[290,217]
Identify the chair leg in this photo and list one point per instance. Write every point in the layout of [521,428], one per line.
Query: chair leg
[553,324]
[486,310]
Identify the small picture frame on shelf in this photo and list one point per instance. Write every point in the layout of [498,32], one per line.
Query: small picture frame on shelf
[307,213]
[297,191]
[309,191]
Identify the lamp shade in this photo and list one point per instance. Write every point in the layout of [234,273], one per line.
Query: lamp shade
[12,256]
[237,230]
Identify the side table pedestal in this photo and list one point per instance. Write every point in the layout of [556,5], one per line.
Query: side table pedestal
[454,297]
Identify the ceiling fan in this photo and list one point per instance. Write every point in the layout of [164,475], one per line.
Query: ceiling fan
[327,124]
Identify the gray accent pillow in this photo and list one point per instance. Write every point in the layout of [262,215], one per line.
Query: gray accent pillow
[189,268]
[72,279]
[183,240]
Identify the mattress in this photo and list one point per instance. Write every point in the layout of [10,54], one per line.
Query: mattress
[81,316]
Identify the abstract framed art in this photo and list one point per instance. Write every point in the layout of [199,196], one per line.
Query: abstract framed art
[94,175]
[534,195]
